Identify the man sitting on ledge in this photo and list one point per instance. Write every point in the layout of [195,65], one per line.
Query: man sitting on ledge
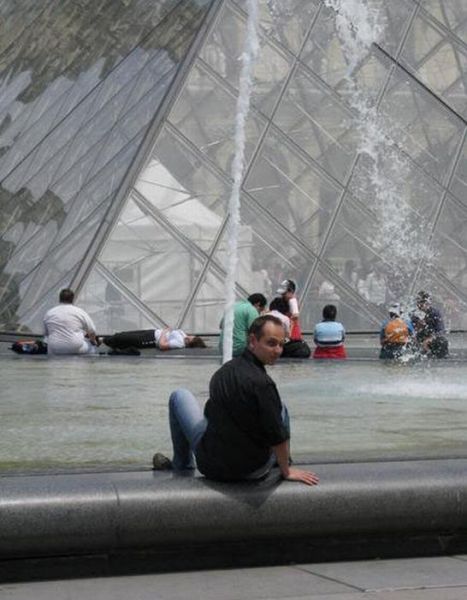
[69,329]
[245,430]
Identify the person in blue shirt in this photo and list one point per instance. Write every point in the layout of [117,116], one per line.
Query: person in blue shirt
[329,335]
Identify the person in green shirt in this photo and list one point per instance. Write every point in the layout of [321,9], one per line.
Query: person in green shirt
[245,312]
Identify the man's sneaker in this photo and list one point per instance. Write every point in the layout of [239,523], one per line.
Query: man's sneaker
[160,462]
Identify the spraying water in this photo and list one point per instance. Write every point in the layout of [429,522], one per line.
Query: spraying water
[248,59]
[401,239]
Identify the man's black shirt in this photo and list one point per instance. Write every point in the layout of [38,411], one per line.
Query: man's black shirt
[244,420]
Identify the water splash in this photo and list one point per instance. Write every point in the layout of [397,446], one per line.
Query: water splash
[280,8]
[401,238]
[248,59]
[358,26]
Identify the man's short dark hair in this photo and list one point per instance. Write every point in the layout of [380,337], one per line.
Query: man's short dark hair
[256,328]
[280,305]
[329,312]
[257,299]
[196,342]
[423,297]
[66,296]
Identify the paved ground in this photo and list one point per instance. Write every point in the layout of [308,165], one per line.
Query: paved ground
[439,578]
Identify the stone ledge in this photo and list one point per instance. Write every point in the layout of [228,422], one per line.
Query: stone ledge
[108,513]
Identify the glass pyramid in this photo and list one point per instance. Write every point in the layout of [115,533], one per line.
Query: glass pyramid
[116,144]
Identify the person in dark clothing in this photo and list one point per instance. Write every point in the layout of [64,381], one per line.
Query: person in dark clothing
[429,327]
[244,430]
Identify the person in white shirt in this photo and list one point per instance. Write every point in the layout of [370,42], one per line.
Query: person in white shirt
[279,308]
[68,329]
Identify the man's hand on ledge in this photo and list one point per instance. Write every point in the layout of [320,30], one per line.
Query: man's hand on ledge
[304,476]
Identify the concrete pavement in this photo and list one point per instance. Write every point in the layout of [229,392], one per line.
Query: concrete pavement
[438,578]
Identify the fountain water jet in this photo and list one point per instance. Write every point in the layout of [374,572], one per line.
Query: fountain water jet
[401,240]
[248,59]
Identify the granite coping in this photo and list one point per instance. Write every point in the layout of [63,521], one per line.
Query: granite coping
[67,515]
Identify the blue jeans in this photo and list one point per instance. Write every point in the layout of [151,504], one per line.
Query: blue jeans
[187,426]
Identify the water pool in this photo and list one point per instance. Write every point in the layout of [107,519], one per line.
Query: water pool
[75,413]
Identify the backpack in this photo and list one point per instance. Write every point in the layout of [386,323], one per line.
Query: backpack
[29,347]
[296,349]
[396,332]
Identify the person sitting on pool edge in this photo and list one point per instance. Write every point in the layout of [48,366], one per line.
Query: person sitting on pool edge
[287,291]
[329,335]
[244,430]
[164,339]
[244,313]
[396,334]
[69,329]
[429,327]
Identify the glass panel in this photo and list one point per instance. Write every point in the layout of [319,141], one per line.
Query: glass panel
[205,114]
[315,121]
[183,191]
[452,14]
[394,18]
[451,243]
[267,253]
[395,182]
[323,54]
[287,21]
[292,190]
[61,261]
[77,45]
[439,62]
[148,260]
[459,182]
[325,289]
[108,308]
[428,131]
[31,321]
[224,48]
[34,243]
[356,253]
[16,18]
[97,195]
[207,308]
[68,116]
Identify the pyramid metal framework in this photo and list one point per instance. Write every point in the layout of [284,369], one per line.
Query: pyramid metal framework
[116,143]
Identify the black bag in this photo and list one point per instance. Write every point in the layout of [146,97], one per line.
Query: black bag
[29,347]
[296,349]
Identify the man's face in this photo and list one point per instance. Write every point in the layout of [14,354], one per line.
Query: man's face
[288,295]
[269,346]
[422,304]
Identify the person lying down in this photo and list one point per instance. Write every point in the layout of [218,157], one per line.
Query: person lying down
[163,339]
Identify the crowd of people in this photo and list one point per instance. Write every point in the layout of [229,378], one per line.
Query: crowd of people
[244,430]
[68,329]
